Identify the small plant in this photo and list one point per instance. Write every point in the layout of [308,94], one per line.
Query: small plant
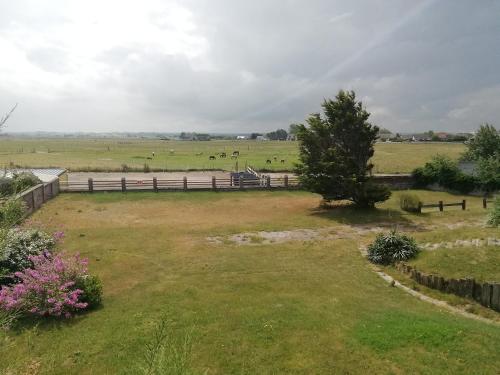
[410,202]
[47,289]
[392,247]
[6,186]
[167,353]
[25,180]
[11,212]
[494,216]
[91,286]
[18,245]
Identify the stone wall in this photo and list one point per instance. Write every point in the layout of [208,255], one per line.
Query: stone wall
[36,196]
[395,181]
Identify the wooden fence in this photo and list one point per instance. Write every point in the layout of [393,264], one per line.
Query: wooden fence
[441,205]
[487,294]
[184,184]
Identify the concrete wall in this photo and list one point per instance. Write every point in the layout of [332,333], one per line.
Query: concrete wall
[395,181]
[36,196]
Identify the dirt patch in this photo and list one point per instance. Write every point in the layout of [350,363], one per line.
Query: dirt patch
[327,233]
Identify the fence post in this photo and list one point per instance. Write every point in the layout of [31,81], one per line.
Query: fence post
[268,182]
[286,181]
[91,185]
[419,207]
[484,203]
[185,183]
[214,183]
[241,182]
[155,184]
[124,184]
[440,205]
[463,204]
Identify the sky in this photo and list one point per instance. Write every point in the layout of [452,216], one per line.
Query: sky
[240,66]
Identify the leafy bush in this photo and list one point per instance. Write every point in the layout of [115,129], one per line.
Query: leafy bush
[369,193]
[25,180]
[6,186]
[18,245]
[444,172]
[392,247]
[410,202]
[488,173]
[494,217]
[47,289]
[91,286]
[11,212]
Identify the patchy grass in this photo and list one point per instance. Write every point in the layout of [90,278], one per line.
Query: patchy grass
[297,307]
[481,263]
[109,154]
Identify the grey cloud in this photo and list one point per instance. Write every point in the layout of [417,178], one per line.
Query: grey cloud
[421,65]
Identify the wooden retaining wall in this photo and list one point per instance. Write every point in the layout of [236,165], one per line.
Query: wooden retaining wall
[36,196]
[487,294]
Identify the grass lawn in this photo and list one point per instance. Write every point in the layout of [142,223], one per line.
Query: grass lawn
[303,307]
[111,154]
[481,263]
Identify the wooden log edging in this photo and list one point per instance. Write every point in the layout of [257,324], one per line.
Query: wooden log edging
[487,294]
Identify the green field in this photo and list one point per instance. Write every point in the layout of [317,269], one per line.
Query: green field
[112,154]
[304,306]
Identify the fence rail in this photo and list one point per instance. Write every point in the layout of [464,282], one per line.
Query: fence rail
[441,205]
[185,184]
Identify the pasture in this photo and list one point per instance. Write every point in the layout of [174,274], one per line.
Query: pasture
[112,154]
[252,301]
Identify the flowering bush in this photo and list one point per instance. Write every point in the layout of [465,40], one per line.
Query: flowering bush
[18,245]
[49,288]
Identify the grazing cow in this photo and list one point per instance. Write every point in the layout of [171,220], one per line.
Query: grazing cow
[282,161]
[211,157]
[222,155]
[275,158]
[236,153]
[268,161]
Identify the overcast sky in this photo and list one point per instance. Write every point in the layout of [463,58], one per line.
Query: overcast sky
[243,66]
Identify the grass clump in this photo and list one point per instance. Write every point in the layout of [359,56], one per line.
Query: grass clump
[494,216]
[392,247]
[11,212]
[410,202]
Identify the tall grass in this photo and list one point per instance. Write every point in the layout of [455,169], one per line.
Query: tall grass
[167,353]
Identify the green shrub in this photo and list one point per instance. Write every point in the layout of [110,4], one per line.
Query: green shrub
[494,216]
[488,173]
[410,202]
[392,247]
[18,245]
[6,186]
[443,171]
[12,212]
[25,180]
[92,290]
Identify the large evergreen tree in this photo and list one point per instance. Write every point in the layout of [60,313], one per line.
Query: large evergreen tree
[335,152]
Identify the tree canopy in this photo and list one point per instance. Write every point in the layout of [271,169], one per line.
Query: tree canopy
[335,152]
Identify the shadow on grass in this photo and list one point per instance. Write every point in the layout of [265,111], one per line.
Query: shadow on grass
[49,323]
[351,215]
